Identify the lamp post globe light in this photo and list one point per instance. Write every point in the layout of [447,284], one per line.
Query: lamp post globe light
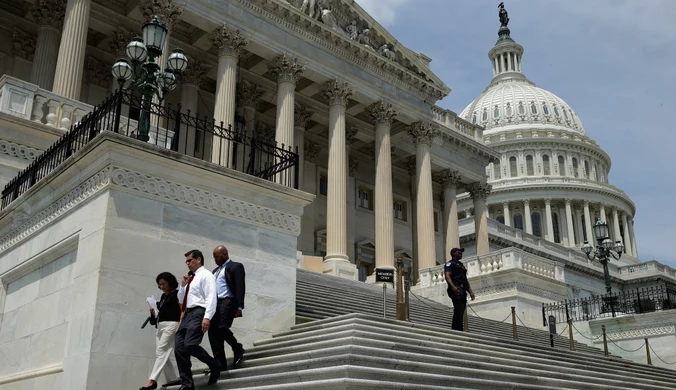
[145,72]
[605,249]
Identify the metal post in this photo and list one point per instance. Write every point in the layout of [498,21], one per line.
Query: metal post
[544,318]
[514,334]
[408,288]
[552,329]
[384,300]
[465,321]
[605,341]
[570,334]
[647,352]
[401,308]
[118,106]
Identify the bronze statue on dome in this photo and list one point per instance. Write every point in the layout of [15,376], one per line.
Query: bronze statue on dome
[504,18]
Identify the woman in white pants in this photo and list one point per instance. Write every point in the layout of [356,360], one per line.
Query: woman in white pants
[169,315]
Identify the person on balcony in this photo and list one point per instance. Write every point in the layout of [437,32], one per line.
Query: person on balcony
[458,287]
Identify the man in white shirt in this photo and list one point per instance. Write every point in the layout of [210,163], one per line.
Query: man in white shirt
[197,295]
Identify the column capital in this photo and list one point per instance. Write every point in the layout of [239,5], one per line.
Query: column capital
[569,201]
[229,42]
[548,201]
[505,204]
[526,202]
[382,112]
[447,177]
[97,72]
[586,203]
[194,74]
[479,190]
[49,13]
[351,134]
[410,164]
[166,10]
[352,165]
[301,115]
[286,69]
[311,150]
[337,92]
[24,44]
[248,94]
[118,42]
[423,132]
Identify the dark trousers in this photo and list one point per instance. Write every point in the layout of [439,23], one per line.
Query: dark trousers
[219,331]
[459,305]
[187,344]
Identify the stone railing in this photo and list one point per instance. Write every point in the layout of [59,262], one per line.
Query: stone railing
[649,268]
[496,262]
[554,180]
[28,101]
[450,120]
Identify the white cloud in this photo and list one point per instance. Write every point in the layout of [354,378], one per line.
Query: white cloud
[384,11]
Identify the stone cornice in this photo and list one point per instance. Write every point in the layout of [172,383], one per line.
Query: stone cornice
[554,144]
[641,332]
[17,150]
[289,18]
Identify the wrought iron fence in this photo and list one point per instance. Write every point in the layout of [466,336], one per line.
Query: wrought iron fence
[634,301]
[171,128]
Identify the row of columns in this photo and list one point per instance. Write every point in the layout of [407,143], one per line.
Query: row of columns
[625,235]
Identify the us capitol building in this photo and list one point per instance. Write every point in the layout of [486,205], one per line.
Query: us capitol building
[382,172]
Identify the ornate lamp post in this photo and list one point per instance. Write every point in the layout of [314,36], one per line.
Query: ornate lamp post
[604,249]
[146,72]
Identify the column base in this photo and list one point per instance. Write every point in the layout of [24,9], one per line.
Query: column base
[340,267]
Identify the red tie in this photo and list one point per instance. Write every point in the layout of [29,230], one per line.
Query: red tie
[187,289]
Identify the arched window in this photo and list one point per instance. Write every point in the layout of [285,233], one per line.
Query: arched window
[474,118]
[496,112]
[556,111]
[522,110]
[497,174]
[508,110]
[562,166]
[484,115]
[513,172]
[584,229]
[530,169]
[545,109]
[546,168]
[555,226]
[536,222]
[586,169]
[565,114]
[518,221]
[501,219]
[575,168]
[533,108]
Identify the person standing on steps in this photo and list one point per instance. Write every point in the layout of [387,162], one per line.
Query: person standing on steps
[230,288]
[458,286]
[198,296]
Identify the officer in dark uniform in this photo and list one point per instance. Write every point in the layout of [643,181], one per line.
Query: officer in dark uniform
[458,286]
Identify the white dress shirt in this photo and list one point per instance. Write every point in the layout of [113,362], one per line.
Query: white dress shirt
[202,292]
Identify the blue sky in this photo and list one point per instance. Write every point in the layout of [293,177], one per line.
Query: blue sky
[613,61]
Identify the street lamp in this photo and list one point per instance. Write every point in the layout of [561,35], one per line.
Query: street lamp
[145,72]
[604,249]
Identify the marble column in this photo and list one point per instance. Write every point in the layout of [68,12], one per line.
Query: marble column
[602,213]
[190,87]
[479,192]
[337,93]
[449,180]
[505,212]
[627,235]
[49,16]
[616,226]
[411,167]
[70,61]
[229,43]
[287,71]
[528,222]
[549,234]
[307,227]
[569,224]
[23,44]
[248,95]
[301,116]
[168,12]
[423,133]
[588,224]
[383,114]
[634,247]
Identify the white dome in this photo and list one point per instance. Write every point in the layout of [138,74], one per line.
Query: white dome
[514,102]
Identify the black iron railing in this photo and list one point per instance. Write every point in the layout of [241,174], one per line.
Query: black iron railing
[171,128]
[632,301]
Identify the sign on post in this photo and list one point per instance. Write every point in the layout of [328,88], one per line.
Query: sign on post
[385,275]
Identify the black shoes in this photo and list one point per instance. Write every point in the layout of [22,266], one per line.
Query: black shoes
[151,387]
[213,376]
[238,357]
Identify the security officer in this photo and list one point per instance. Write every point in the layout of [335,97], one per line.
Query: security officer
[458,286]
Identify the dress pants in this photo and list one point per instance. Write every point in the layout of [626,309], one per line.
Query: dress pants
[188,339]
[219,331]
[164,341]
[459,305]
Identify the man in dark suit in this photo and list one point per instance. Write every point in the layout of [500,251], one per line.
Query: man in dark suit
[230,289]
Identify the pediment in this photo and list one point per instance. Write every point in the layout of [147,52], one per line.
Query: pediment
[346,24]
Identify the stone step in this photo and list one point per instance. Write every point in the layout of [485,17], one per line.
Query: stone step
[492,364]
